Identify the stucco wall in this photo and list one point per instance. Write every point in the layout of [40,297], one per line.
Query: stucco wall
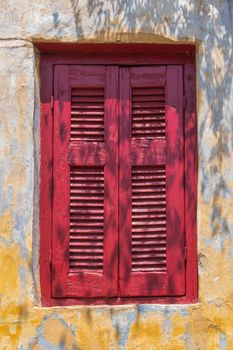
[23,323]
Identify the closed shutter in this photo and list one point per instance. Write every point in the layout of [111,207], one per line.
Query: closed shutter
[151,183]
[85,182]
[89,103]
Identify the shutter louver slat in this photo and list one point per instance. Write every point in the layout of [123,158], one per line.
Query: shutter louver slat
[87,114]
[86,226]
[148,112]
[148,223]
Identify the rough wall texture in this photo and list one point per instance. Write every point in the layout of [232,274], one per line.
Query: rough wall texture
[23,323]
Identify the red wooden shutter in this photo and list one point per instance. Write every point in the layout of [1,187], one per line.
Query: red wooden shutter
[85,182]
[151,183]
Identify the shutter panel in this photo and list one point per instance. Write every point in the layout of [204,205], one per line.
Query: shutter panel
[151,184]
[85,202]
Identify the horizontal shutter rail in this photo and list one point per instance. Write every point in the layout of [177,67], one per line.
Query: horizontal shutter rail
[96,104]
[149,98]
[94,181]
[86,218]
[88,212]
[89,199]
[88,171]
[92,177]
[151,233]
[159,108]
[151,268]
[149,134]
[141,171]
[156,187]
[149,222]
[82,251]
[142,211]
[149,241]
[155,113]
[151,185]
[147,104]
[89,188]
[96,239]
[82,217]
[85,225]
[86,130]
[161,248]
[140,216]
[86,137]
[85,243]
[83,113]
[87,91]
[91,117]
[158,232]
[153,191]
[142,227]
[88,126]
[148,90]
[84,133]
[94,192]
[147,93]
[87,122]
[87,114]
[88,229]
[82,260]
[148,118]
[85,265]
[149,198]
[138,185]
[150,255]
[150,263]
[149,203]
[92,120]
[84,185]
[154,124]
[95,100]
[146,131]
[88,205]
[97,192]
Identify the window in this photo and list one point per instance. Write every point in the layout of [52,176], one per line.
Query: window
[118,180]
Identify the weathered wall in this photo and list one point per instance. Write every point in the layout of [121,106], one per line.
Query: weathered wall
[23,323]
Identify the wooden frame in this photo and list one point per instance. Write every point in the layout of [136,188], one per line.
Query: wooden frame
[123,55]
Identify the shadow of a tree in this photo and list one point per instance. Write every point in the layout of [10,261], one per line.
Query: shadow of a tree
[215,75]
[214,67]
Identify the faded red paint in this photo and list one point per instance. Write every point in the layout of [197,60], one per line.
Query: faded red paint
[67,281]
[158,268]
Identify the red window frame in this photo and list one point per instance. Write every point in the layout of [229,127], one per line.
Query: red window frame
[122,55]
